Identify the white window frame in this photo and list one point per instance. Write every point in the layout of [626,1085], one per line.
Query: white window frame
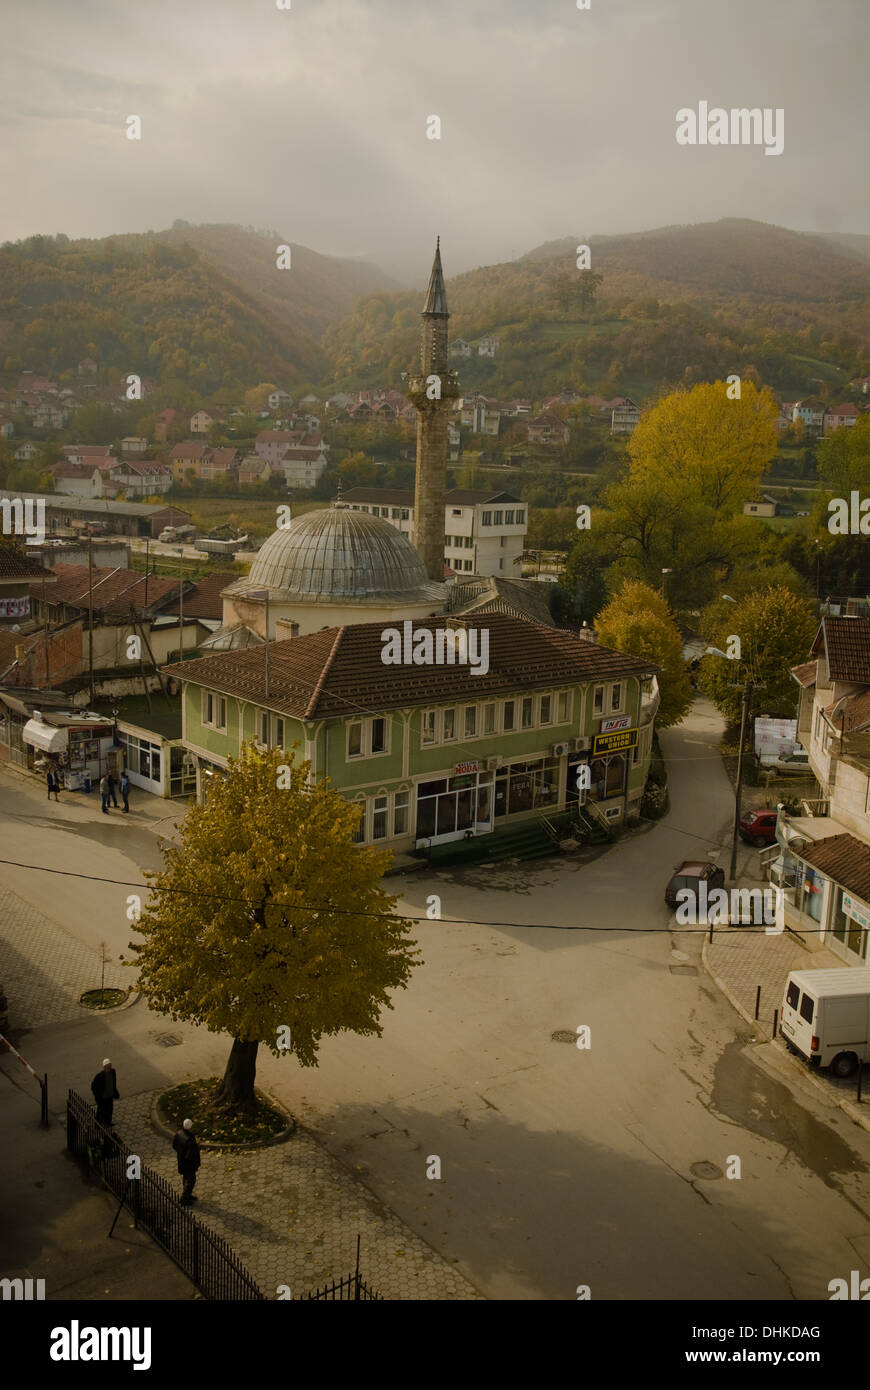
[597,701]
[366,738]
[213,703]
[616,704]
[451,738]
[544,723]
[426,716]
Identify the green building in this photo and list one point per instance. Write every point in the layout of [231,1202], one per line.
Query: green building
[442,751]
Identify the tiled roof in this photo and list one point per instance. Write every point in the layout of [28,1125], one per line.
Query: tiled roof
[15,566]
[845,859]
[338,671]
[112,588]
[223,456]
[847,646]
[804,674]
[189,449]
[305,455]
[203,600]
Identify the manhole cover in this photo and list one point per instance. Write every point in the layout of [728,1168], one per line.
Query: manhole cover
[684,969]
[706,1170]
[562,1035]
[169,1040]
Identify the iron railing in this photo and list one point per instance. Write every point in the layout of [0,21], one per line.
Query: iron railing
[203,1256]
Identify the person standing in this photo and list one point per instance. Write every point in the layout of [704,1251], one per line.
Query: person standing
[113,782]
[105,1092]
[53,780]
[104,793]
[187,1149]
[125,790]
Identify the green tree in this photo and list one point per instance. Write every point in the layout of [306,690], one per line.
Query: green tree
[775,628]
[843,458]
[268,916]
[638,621]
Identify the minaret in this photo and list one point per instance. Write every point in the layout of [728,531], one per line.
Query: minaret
[432,392]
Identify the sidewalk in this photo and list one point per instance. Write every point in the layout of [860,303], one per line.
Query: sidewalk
[157,813]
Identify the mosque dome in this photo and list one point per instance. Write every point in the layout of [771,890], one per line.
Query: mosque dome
[336,553]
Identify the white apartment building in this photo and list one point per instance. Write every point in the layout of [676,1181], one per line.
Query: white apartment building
[822,858]
[484,532]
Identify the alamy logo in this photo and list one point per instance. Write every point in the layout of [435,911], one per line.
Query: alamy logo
[76,1343]
[746,906]
[857,1288]
[739,126]
[448,646]
[22,1289]
[849,518]
[18,517]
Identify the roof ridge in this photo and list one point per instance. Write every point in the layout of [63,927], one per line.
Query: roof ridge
[321,680]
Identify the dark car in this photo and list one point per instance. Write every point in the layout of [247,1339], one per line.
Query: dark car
[758,827]
[691,874]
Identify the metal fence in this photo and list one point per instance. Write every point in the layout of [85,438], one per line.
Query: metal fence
[353,1287]
[203,1256]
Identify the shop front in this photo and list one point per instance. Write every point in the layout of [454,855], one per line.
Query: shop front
[850,928]
[81,747]
[608,761]
[455,807]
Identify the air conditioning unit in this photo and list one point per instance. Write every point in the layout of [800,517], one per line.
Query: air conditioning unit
[560,748]
[582,745]
[493,763]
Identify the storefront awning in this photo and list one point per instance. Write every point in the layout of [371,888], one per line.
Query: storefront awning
[44,736]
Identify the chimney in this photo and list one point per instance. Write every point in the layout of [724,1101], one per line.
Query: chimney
[587,633]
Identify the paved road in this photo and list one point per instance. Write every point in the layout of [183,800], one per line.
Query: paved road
[559,1166]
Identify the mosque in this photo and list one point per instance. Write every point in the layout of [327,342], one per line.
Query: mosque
[337,566]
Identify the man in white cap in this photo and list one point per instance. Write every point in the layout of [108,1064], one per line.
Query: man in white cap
[187,1149]
[105,1092]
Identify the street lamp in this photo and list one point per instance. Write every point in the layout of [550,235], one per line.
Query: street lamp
[664,572]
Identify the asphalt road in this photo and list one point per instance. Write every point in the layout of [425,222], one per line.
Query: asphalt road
[560,1167]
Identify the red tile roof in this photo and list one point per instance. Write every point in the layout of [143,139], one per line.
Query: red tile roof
[113,589]
[203,599]
[845,859]
[339,671]
[190,449]
[847,646]
[15,566]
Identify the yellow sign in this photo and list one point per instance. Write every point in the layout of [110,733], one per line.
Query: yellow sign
[614,743]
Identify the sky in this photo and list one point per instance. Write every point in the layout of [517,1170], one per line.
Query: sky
[555,121]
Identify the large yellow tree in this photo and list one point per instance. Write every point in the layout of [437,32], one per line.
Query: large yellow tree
[267,921]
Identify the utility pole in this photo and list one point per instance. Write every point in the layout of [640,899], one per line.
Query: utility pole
[181,601]
[747,696]
[267,645]
[90,620]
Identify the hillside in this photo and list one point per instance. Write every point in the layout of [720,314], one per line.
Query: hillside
[206,306]
[678,303]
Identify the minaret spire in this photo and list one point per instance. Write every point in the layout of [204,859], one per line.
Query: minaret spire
[432,392]
[436,295]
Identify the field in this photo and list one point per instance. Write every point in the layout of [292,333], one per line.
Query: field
[257,516]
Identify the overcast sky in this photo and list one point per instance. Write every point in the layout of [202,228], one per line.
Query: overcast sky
[555,121]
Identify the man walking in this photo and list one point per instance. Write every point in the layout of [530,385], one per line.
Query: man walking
[125,790]
[104,793]
[187,1149]
[53,781]
[105,1091]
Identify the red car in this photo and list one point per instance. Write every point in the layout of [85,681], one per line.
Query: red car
[758,827]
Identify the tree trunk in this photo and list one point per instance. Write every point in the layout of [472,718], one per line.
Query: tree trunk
[236,1090]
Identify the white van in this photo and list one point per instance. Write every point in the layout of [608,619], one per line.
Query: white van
[826,1017]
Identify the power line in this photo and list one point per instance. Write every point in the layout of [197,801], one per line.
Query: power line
[679,930]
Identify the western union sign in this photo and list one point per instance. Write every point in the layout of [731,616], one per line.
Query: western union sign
[614,743]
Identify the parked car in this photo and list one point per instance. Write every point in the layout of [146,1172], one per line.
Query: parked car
[758,827]
[690,874]
[788,763]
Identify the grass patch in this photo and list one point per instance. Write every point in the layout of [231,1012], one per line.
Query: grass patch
[102,998]
[194,1100]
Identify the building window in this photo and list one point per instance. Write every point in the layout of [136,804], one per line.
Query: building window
[396,514]
[448,727]
[521,517]
[215,711]
[486,519]
[263,728]
[354,740]
[598,701]
[562,707]
[406,515]
[545,712]
[457,511]
[279,732]
[489,726]
[501,564]
[527,713]
[379,735]
[400,813]
[497,518]
[427,726]
[360,833]
[380,807]
[509,518]
[470,721]
[615,697]
[468,565]
[508,719]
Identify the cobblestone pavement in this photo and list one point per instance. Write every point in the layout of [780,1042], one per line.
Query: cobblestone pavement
[292,1213]
[739,960]
[44,969]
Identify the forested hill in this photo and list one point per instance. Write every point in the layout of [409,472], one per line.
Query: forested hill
[678,303]
[203,305]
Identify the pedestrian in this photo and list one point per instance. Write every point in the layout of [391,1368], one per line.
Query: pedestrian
[187,1149]
[125,789]
[104,793]
[113,782]
[53,781]
[105,1090]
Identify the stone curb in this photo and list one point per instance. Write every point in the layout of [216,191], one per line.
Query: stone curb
[848,1107]
[159,1124]
[114,1009]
